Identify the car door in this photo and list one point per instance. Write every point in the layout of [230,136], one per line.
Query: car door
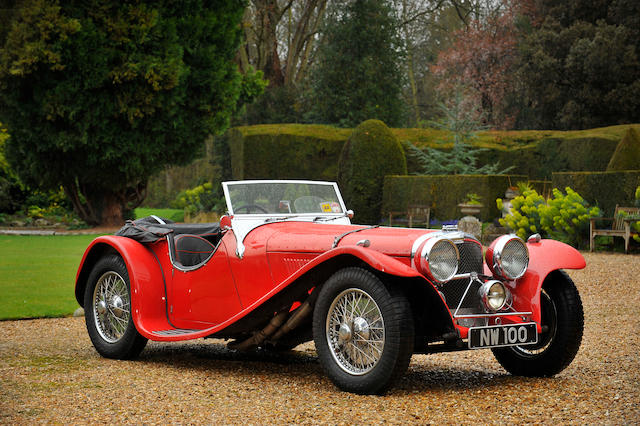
[204,296]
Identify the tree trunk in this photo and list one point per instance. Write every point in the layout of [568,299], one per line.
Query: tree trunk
[100,207]
[112,210]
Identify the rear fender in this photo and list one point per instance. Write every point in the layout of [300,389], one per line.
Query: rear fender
[145,276]
[545,257]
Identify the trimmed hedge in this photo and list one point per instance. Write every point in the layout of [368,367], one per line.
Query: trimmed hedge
[265,151]
[313,151]
[540,160]
[371,153]
[443,193]
[627,153]
[291,151]
[604,189]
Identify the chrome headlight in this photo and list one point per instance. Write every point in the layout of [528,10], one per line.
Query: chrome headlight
[440,259]
[508,257]
[494,295]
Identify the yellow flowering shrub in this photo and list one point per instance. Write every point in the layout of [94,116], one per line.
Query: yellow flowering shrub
[563,217]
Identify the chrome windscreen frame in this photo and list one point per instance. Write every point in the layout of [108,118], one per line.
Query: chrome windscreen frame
[243,224]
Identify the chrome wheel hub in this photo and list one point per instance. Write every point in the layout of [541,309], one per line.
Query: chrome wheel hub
[361,327]
[355,331]
[101,307]
[344,333]
[117,306]
[111,306]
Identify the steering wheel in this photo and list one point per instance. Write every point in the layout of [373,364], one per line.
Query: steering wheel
[249,207]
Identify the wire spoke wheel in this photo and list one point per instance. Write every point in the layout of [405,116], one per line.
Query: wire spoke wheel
[107,310]
[355,331]
[363,331]
[111,306]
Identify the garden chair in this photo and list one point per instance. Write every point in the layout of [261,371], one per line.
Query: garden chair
[621,225]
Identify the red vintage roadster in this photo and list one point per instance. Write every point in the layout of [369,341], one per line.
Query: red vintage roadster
[286,266]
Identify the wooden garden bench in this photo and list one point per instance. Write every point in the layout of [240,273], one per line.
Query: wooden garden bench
[415,215]
[621,225]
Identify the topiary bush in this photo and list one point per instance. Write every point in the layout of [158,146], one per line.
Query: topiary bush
[371,153]
[627,153]
[563,217]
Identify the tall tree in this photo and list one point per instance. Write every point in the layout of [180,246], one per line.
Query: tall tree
[280,37]
[98,96]
[357,75]
[581,67]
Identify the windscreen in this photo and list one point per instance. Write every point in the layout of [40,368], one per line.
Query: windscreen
[283,198]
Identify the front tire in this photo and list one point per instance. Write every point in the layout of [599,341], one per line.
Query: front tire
[563,319]
[363,331]
[107,310]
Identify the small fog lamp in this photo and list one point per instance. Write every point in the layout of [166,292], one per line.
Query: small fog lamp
[494,295]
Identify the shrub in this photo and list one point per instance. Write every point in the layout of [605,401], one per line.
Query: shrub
[202,198]
[636,225]
[561,217]
[371,153]
[627,153]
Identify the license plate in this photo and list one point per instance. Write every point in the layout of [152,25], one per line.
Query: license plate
[503,335]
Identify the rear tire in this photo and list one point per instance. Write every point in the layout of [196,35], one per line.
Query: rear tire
[363,331]
[563,315]
[107,310]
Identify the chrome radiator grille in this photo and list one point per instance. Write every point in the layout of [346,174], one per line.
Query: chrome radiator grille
[470,261]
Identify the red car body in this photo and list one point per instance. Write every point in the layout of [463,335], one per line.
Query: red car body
[238,293]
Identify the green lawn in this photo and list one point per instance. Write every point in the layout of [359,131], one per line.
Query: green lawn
[175,215]
[37,274]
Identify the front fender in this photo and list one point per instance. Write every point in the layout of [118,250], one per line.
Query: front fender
[145,277]
[298,285]
[545,257]
[373,258]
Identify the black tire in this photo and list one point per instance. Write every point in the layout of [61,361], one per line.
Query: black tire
[368,349]
[108,316]
[563,319]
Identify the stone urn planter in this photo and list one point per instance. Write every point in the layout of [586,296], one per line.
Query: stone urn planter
[470,209]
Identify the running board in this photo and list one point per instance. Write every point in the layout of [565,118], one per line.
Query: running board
[175,332]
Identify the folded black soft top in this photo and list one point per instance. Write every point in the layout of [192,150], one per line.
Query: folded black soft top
[149,229]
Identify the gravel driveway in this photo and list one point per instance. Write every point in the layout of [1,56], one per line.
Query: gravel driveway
[49,372]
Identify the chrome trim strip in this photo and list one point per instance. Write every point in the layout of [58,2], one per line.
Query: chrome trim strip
[339,238]
[462,276]
[501,314]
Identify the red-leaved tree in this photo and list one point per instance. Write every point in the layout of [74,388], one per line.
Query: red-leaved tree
[482,61]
